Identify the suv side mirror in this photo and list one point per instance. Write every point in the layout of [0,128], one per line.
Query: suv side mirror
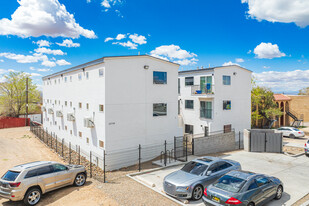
[208,173]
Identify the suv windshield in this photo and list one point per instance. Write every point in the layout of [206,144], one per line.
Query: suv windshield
[194,168]
[10,175]
[230,183]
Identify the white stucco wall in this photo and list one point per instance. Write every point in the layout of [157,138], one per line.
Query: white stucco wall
[239,93]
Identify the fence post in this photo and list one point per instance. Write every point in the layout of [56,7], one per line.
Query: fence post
[79,154]
[192,145]
[104,166]
[62,147]
[70,153]
[90,164]
[175,148]
[165,157]
[239,139]
[186,148]
[139,157]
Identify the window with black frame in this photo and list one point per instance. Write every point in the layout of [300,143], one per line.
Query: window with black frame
[159,109]
[189,81]
[189,104]
[227,105]
[159,77]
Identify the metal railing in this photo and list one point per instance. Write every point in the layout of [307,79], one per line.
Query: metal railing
[206,90]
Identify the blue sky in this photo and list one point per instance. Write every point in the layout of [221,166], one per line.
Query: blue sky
[268,37]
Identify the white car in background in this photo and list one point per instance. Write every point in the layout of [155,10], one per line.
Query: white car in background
[291,132]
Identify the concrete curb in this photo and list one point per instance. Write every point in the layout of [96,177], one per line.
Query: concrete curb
[296,155]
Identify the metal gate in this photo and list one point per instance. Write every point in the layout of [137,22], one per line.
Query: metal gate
[183,147]
[266,142]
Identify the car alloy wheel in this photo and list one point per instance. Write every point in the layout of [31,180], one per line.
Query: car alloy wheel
[279,192]
[80,179]
[197,192]
[32,197]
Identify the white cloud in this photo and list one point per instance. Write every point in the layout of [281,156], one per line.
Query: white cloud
[35,74]
[11,70]
[108,39]
[68,43]
[266,67]
[174,53]
[267,51]
[62,62]
[42,43]
[285,11]
[120,36]
[43,70]
[43,50]
[139,39]
[127,44]
[24,58]
[288,81]
[48,63]
[32,68]
[2,71]
[1,60]
[43,18]
[239,60]
[229,64]
[105,4]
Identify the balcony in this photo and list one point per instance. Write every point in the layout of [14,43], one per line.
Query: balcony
[207,90]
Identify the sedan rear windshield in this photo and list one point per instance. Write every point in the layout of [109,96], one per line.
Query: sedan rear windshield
[194,168]
[10,175]
[230,183]
[295,129]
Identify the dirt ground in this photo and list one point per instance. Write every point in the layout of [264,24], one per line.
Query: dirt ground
[18,146]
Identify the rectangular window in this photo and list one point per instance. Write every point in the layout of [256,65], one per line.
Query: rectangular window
[87,75]
[79,77]
[101,143]
[189,104]
[55,81]
[227,128]
[101,107]
[189,81]
[59,102]
[178,106]
[101,72]
[159,77]
[87,140]
[70,104]
[206,110]
[159,109]
[55,101]
[80,105]
[66,127]
[227,105]
[87,106]
[80,134]
[71,132]
[226,80]
[188,129]
[66,103]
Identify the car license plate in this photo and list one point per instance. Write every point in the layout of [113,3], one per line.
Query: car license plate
[216,199]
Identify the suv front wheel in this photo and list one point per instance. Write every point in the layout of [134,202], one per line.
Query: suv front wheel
[80,179]
[33,196]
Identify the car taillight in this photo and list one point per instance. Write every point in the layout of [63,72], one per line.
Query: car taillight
[233,201]
[305,144]
[205,192]
[14,184]
[299,132]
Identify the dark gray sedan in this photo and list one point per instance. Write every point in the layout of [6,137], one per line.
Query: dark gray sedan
[243,189]
[190,181]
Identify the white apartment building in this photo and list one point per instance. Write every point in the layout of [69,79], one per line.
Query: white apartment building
[113,103]
[214,99]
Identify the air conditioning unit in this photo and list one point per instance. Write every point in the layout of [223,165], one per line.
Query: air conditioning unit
[50,111]
[43,109]
[70,117]
[59,114]
[88,122]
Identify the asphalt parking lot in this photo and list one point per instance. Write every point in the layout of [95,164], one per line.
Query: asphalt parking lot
[293,172]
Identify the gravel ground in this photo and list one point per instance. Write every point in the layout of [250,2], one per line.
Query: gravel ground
[18,145]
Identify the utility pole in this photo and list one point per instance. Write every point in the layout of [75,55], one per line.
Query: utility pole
[26,101]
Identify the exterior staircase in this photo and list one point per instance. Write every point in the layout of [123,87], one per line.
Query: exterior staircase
[297,118]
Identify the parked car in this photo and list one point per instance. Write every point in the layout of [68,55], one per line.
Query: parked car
[244,189]
[291,132]
[307,148]
[29,181]
[190,181]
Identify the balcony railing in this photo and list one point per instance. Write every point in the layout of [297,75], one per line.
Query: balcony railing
[206,113]
[207,89]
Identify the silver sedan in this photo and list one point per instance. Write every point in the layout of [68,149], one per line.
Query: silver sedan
[190,181]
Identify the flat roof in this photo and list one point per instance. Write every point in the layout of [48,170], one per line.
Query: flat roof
[211,68]
[99,61]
